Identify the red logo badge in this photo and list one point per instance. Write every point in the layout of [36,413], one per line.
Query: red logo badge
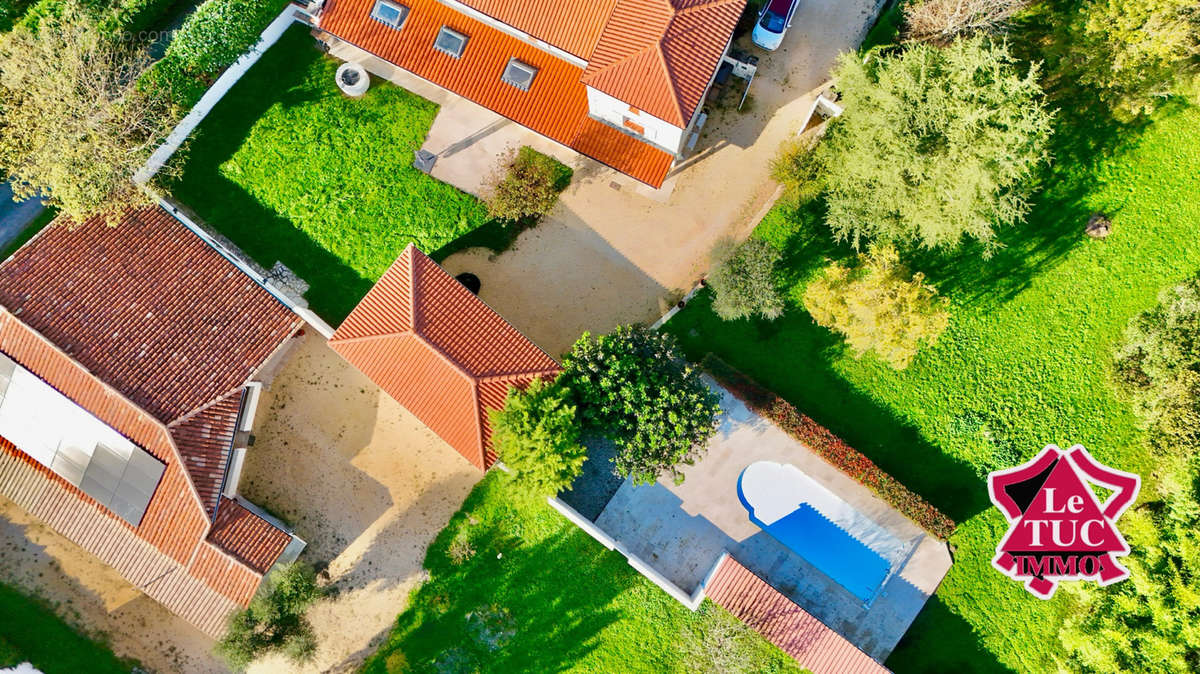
[1057,528]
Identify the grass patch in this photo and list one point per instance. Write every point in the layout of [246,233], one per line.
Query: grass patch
[1024,363]
[515,587]
[291,170]
[31,632]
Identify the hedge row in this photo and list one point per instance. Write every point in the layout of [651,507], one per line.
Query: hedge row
[210,40]
[131,16]
[832,448]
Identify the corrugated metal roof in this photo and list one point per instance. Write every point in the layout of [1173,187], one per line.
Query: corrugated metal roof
[440,351]
[573,26]
[815,646]
[555,106]
[660,55]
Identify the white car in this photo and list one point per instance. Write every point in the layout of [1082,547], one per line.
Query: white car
[773,22]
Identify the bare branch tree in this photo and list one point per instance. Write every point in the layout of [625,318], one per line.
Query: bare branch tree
[940,22]
[74,124]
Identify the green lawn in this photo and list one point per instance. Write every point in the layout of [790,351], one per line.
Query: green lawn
[291,170]
[30,632]
[537,594]
[1024,362]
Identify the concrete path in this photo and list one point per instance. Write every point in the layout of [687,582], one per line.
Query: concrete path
[15,216]
[681,530]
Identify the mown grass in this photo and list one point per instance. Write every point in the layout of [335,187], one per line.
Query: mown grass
[1024,363]
[572,604]
[290,170]
[31,632]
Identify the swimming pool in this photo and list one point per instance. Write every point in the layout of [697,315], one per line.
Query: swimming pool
[820,527]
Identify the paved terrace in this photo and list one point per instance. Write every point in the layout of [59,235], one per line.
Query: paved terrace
[682,531]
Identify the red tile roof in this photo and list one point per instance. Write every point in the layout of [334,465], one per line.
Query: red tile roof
[816,647]
[660,55]
[555,106]
[152,310]
[440,351]
[573,26]
[249,538]
[118,296]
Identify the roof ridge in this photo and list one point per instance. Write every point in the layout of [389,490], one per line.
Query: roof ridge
[525,373]
[188,416]
[662,60]
[367,338]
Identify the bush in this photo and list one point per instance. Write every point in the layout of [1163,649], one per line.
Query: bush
[530,186]
[634,387]
[275,620]
[1158,365]
[878,307]
[936,145]
[537,437]
[744,281]
[830,447]
[1136,53]
[941,22]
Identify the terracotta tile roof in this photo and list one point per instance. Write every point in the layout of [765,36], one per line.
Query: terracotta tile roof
[816,647]
[249,538]
[555,106]
[152,310]
[660,55]
[148,307]
[205,439]
[573,26]
[440,351]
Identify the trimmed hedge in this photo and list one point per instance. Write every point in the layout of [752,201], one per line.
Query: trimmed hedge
[831,448]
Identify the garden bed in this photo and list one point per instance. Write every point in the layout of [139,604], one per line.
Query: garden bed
[290,170]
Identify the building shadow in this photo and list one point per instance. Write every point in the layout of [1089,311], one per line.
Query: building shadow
[941,641]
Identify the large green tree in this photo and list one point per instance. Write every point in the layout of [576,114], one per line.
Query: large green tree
[935,145]
[74,124]
[634,386]
[275,621]
[1137,52]
[537,437]
[878,306]
[744,282]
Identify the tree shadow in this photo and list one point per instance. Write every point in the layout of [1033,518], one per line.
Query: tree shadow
[941,641]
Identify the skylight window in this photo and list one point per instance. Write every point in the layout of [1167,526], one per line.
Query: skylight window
[390,13]
[519,74]
[77,446]
[450,42]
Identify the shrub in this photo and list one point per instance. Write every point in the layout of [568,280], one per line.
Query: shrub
[941,22]
[830,447]
[1136,52]
[634,387]
[1158,365]
[537,437]
[744,281]
[936,145]
[529,187]
[275,620]
[878,307]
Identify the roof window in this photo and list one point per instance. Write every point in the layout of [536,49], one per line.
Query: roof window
[519,74]
[450,42]
[390,13]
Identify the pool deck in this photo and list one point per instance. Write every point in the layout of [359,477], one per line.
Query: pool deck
[681,530]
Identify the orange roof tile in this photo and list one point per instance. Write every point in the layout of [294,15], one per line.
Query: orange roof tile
[660,55]
[555,106]
[249,538]
[816,647]
[440,351]
[573,26]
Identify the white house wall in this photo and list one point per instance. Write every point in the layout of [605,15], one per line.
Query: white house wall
[615,111]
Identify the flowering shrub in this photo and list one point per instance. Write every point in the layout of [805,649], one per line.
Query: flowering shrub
[831,448]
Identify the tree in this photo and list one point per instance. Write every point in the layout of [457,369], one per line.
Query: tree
[75,126]
[940,22]
[935,145]
[1158,366]
[530,186]
[275,621]
[1137,52]
[878,306]
[634,387]
[744,281]
[537,437]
